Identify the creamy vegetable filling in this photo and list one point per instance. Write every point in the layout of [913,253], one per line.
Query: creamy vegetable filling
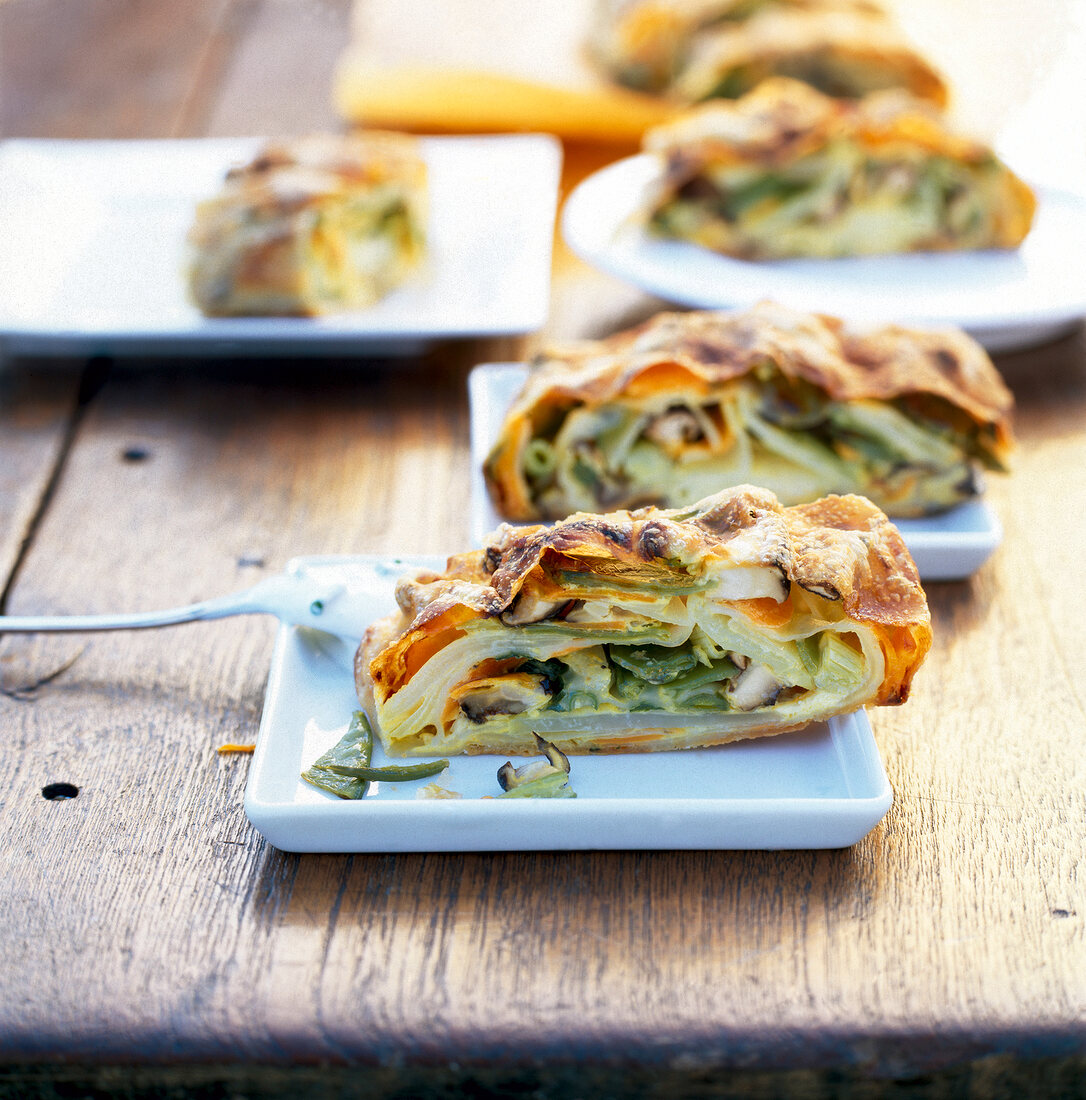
[356,251]
[622,669]
[788,437]
[678,679]
[838,201]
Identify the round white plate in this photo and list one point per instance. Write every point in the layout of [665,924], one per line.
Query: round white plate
[1005,299]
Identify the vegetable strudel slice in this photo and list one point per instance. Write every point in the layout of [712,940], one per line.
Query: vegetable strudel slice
[844,52]
[647,630]
[310,226]
[688,403]
[700,49]
[786,171]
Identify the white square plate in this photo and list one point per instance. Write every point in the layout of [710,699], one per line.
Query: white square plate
[1006,299]
[822,788]
[94,253]
[950,546]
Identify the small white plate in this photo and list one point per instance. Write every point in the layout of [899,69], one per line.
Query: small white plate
[1006,300]
[822,788]
[94,253]
[950,546]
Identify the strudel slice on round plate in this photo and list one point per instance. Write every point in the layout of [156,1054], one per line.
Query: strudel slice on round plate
[788,172]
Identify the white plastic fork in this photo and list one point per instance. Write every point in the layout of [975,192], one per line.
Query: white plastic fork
[297,597]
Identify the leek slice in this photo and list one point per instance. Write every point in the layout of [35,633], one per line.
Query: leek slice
[539,778]
[550,785]
[840,664]
[800,448]
[539,459]
[897,432]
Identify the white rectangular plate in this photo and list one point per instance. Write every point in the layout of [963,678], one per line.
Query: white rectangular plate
[1007,298]
[94,254]
[822,788]
[950,546]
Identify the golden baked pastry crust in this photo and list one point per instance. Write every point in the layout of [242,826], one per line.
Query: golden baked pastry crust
[837,560]
[312,225]
[695,357]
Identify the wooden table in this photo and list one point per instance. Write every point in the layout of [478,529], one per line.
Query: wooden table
[150,939]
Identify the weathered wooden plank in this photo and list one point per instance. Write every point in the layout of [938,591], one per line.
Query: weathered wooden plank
[85,70]
[240,465]
[103,68]
[36,410]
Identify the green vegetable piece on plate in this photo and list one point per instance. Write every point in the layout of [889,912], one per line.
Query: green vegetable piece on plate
[345,770]
[538,778]
[353,749]
[553,784]
[392,773]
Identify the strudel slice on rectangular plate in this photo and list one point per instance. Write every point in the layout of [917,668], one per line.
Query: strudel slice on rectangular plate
[314,225]
[649,630]
[802,404]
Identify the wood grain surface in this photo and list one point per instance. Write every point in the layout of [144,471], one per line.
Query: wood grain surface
[151,941]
